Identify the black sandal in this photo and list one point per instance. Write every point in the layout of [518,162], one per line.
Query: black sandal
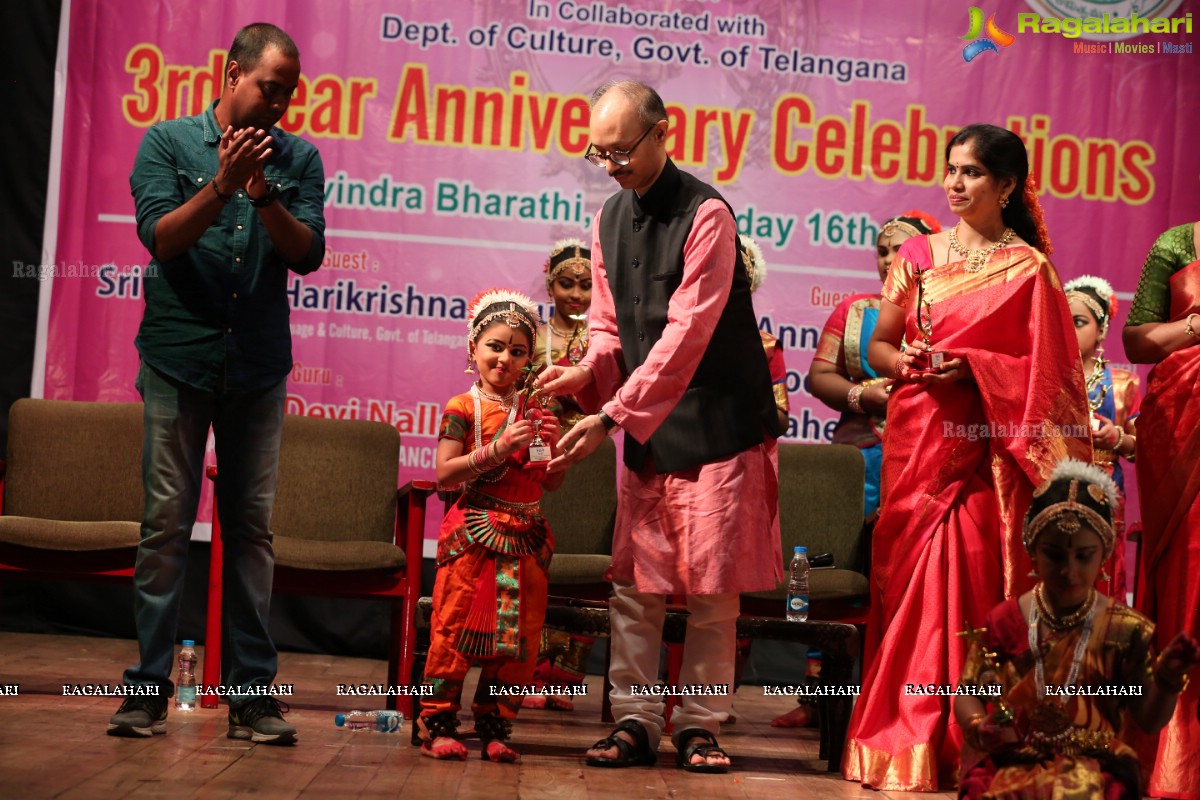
[705,748]
[637,754]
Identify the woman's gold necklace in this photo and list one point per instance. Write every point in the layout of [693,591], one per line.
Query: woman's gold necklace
[977,259]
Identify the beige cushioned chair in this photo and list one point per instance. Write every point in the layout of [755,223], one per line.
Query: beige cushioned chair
[71,489]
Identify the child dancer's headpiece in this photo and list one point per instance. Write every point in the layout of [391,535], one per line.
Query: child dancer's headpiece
[567,254]
[913,223]
[1098,295]
[1076,494]
[756,265]
[501,305]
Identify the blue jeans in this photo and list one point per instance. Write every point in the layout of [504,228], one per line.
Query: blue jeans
[247,427]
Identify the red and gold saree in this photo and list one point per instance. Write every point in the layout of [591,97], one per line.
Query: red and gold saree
[960,462]
[1168,472]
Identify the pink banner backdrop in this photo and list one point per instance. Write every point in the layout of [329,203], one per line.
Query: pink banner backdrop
[452,136]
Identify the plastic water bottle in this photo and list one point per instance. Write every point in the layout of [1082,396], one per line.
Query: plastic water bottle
[797,591]
[382,721]
[185,687]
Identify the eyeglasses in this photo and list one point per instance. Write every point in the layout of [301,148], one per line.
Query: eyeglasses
[618,157]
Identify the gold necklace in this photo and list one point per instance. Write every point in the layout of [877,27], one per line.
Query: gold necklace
[1063,623]
[1093,379]
[574,343]
[567,334]
[977,259]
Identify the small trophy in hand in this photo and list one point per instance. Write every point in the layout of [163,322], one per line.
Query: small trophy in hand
[539,451]
[925,326]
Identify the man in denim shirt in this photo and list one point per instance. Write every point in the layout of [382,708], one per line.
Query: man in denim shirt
[226,204]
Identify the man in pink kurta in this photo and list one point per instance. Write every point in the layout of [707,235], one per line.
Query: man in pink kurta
[675,360]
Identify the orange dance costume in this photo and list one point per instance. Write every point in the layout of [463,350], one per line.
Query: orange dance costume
[489,600]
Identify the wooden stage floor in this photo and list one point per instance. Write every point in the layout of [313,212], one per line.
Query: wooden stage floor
[55,746]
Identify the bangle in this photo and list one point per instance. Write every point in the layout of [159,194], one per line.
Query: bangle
[608,422]
[484,459]
[1187,327]
[1132,456]
[1120,438]
[225,198]
[854,398]
[901,369]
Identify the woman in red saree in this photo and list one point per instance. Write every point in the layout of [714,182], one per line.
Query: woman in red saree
[968,438]
[1163,329]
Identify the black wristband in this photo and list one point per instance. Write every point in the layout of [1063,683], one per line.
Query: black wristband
[608,422]
[225,198]
[267,199]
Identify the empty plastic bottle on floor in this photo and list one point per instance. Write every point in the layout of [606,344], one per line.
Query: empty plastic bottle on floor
[797,591]
[383,721]
[185,686]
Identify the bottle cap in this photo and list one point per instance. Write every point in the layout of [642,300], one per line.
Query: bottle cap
[799,549]
[189,642]
[339,720]
[802,550]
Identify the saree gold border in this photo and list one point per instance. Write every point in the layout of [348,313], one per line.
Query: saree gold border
[853,335]
[1125,391]
[827,347]
[781,397]
[1008,265]
[911,771]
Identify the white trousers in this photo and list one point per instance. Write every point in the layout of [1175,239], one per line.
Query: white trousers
[636,624]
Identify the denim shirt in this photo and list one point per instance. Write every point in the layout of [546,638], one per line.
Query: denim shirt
[217,316]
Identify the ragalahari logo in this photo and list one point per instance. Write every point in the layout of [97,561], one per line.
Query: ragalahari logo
[995,36]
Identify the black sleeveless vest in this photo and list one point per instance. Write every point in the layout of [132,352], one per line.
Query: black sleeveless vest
[729,404]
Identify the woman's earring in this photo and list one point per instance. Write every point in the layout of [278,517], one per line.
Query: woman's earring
[1004,202]
[1033,573]
[470,370]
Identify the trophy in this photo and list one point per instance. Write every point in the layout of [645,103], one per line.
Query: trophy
[925,326]
[539,451]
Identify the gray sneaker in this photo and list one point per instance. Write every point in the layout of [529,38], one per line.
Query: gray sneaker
[139,715]
[261,720]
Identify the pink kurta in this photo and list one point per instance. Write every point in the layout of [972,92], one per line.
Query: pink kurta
[706,530]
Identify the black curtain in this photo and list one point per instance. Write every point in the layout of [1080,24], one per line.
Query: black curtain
[28,41]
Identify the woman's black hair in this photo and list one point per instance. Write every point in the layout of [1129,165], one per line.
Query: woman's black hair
[1003,153]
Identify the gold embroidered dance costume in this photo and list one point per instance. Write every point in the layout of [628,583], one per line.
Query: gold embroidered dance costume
[494,550]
